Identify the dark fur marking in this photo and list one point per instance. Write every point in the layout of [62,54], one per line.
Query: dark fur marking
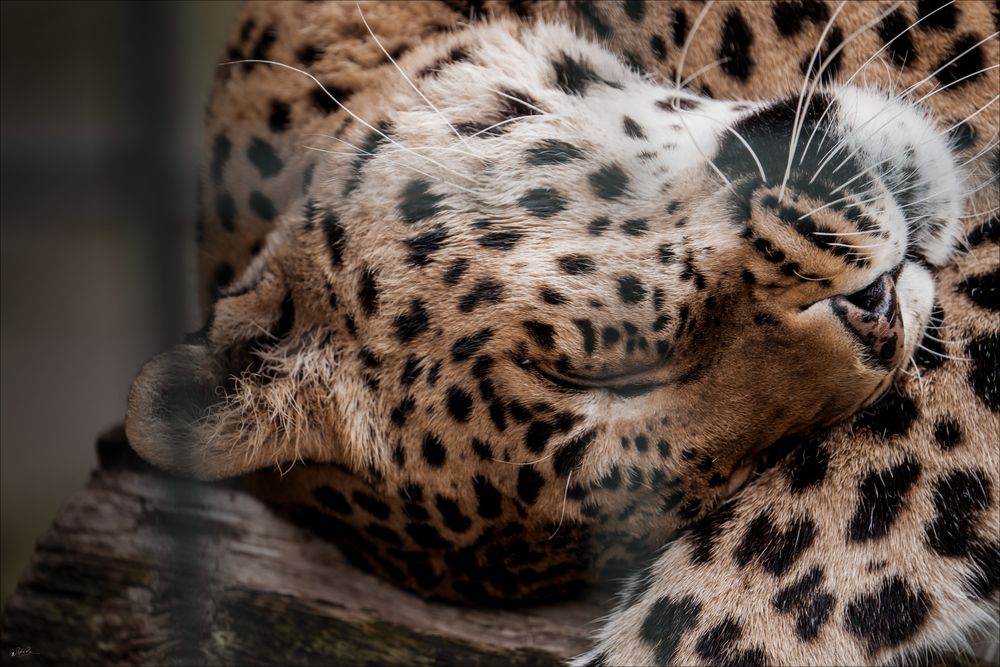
[812,603]
[488,499]
[553,151]
[409,325]
[529,484]
[417,202]
[737,40]
[543,202]
[609,182]
[263,156]
[665,625]
[888,616]
[959,498]
[631,290]
[774,550]
[966,64]
[882,494]
[486,291]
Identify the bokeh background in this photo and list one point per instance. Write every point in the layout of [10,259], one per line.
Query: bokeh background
[101,108]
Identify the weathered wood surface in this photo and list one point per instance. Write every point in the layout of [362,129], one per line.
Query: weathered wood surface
[141,568]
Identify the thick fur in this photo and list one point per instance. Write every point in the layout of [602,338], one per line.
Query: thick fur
[532,318]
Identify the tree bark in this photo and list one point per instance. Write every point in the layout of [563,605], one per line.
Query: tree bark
[141,568]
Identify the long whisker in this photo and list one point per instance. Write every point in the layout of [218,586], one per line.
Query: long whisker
[818,280]
[408,81]
[687,45]
[503,122]
[349,112]
[562,514]
[865,64]
[943,356]
[519,101]
[760,167]
[447,149]
[798,108]
[398,164]
[707,159]
[701,70]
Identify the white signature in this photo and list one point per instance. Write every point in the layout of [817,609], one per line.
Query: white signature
[21,650]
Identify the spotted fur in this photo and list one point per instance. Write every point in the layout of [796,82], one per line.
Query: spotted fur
[529,322]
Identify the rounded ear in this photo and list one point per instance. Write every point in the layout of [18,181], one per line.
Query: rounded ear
[235,397]
[168,407]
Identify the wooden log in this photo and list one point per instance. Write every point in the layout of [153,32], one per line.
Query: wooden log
[143,568]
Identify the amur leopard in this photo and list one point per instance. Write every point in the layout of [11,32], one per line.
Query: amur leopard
[512,298]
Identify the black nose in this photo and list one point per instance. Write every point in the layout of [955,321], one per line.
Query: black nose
[872,315]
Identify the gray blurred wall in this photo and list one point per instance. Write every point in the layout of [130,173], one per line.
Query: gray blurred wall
[100,126]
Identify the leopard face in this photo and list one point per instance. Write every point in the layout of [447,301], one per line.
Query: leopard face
[559,271]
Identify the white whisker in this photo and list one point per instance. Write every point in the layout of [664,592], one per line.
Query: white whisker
[519,101]
[760,167]
[798,108]
[701,70]
[350,113]
[941,354]
[687,45]
[407,79]
[398,164]
[562,514]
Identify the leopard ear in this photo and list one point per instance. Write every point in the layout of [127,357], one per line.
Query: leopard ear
[226,402]
[168,409]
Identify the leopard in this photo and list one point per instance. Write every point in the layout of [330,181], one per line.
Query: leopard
[693,300]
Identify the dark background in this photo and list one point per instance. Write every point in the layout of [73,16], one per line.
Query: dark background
[100,129]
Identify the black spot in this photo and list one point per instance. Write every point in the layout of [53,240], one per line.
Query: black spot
[368,291]
[630,289]
[567,459]
[881,496]
[812,604]
[635,9]
[598,225]
[789,15]
[658,47]
[402,411]
[452,514]
[959,498]
[947,433]
[424,245]
[666,623]
[984,371]
[459,403]
[553,297]
[280,118]
[332,499]
[487,497]
[371,144]
[537,436]
[717,645]
[632,128]
[221,148]
[775,551]
[529,484]
[588,10]
[609,336]
[936,15]
[410,325]
[500,240]
[553,151]
[807,464]
[433,450]
[984,289]
[335,240]
[888,616]
[309,54]
[486,291]
[892,416]
[325,99]
[893,31]
[417,202]
[467,346]
[456,271]
[609,182]
[962,135]
[373,506]
[225,208]
[482,449]
[426,536]
[968,62]
[635,227]
[576,265]
[705,532]
[543,334]
[262,206]
[542,202]
[586,328]
[737,39]
[679,26]
[263,156]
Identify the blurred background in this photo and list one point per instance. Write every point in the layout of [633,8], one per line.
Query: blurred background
[100,129]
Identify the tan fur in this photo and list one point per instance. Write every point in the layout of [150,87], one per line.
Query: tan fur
[283,376]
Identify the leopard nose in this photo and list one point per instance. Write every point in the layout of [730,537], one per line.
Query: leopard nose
[872,315]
